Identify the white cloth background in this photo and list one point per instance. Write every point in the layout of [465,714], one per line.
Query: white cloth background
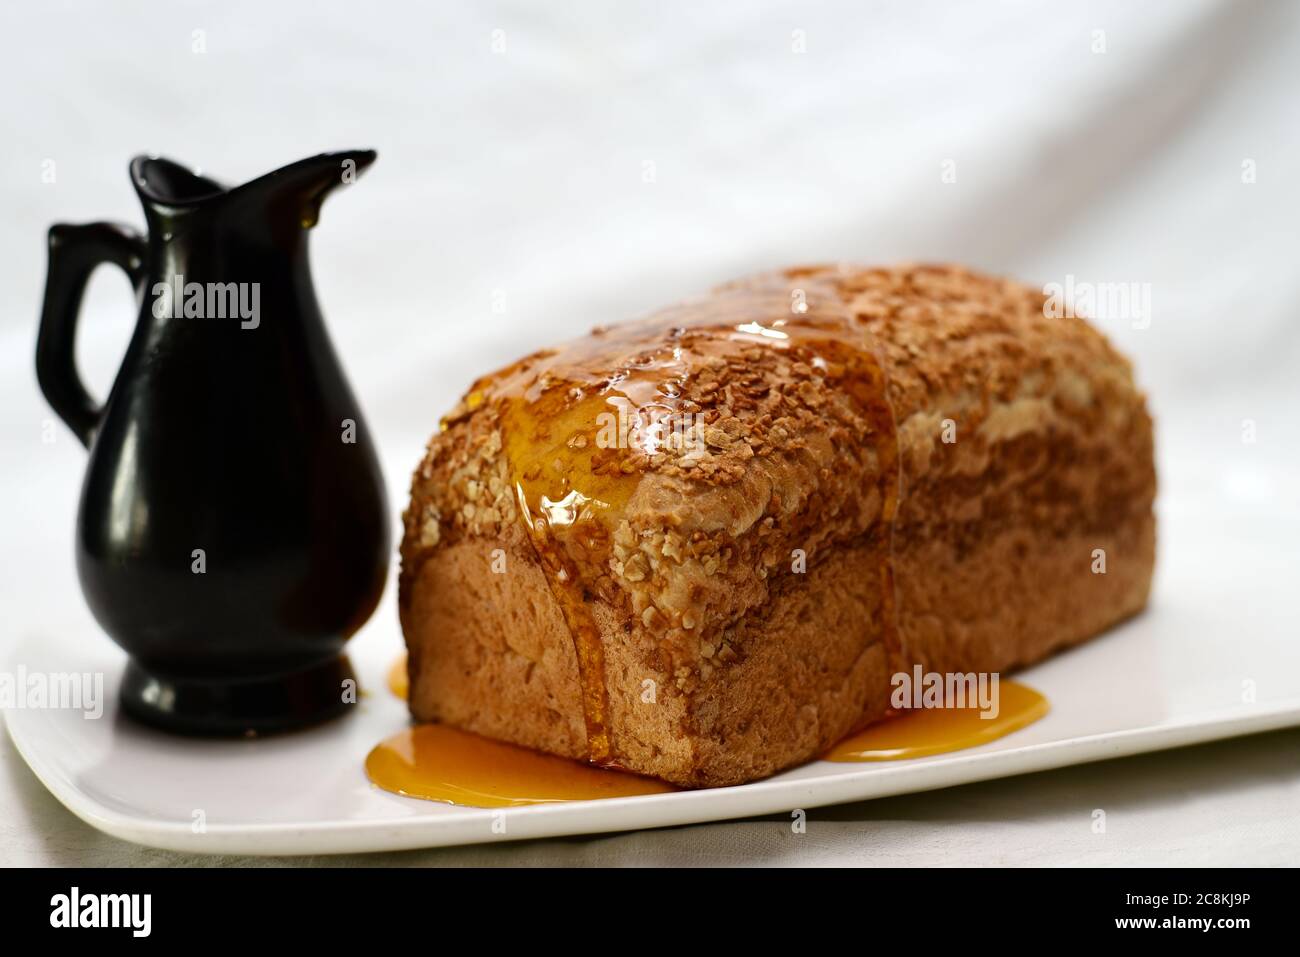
[1106,141]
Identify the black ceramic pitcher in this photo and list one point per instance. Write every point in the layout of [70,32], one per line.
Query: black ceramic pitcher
[233,528]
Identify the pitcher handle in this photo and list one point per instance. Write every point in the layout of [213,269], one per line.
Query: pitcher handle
[75,252]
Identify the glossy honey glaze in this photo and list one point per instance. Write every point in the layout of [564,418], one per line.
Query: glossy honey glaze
[439,763]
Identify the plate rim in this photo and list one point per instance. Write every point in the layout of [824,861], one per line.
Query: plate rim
[604,816]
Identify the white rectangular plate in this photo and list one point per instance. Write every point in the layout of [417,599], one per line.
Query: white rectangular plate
[1216,655]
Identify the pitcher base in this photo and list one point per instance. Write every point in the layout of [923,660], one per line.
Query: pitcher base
[226,707]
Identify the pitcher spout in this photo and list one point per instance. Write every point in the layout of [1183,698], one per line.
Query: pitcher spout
[296,191]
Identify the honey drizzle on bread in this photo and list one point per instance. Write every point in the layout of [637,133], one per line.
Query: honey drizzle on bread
[821,434]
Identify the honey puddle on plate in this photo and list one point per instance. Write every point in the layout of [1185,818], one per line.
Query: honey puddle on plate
[916,734]
[441,763]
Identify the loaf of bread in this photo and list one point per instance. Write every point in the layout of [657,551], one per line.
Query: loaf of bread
[699,546]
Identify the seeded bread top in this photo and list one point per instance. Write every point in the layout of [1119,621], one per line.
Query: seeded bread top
[675,464]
